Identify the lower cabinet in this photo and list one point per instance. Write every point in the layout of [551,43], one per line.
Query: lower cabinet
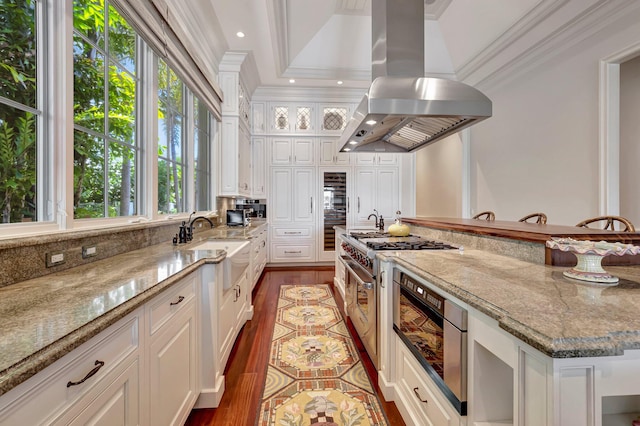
[147,368]
[231,316]
[98,380]
[172,355]
[416,393]
[258,257]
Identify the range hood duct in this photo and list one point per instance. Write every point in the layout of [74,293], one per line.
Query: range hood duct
[403,110]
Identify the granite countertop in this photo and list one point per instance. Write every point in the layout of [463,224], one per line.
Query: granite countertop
[561,317]
[45,318]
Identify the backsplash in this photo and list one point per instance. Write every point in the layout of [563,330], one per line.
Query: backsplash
[26,257]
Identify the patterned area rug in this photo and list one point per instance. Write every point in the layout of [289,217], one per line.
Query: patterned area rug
[315,376]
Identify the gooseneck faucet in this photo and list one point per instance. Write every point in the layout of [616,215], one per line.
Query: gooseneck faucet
[375,216]
[190,232]
[379,220]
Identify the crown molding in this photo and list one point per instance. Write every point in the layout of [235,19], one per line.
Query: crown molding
[501,67]
[318,94]
[328,74]
[277,17]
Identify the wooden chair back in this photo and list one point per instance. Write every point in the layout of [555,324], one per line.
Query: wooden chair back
[488,215]
[610,223]
[539,218]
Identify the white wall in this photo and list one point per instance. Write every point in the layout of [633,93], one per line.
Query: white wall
[540,150]
[630,140]
[439,179]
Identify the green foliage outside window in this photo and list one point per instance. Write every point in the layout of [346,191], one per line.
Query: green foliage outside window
[18,140]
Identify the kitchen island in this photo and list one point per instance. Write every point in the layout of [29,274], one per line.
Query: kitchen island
[543,349]
[47,318]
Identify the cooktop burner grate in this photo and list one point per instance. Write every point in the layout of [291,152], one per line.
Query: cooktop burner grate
[409,245]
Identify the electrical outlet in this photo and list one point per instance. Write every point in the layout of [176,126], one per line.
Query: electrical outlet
[55,259]
[89,251]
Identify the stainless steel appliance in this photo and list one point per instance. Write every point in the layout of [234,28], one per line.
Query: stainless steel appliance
[435,330]
[361,268]
[404,110]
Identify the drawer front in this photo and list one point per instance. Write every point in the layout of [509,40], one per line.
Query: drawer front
[292,253]
[167,304]
[48,395]
[288,233]
[418,388]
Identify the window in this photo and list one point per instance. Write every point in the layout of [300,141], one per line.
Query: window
[202,155]
[104,104]
[20,111]
[171,152]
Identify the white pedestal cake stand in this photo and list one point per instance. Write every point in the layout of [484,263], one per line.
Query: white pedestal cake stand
[590,255]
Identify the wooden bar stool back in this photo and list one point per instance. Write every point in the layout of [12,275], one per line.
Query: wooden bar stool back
[488,215]
[610,223]
[539,218]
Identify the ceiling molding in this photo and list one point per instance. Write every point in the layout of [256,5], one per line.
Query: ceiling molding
[319,94]
[277,16]
[328,74]
[589,22]
[522,27]
[434,9]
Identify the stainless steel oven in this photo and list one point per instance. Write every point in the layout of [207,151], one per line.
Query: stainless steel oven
[435,330]
[361,300]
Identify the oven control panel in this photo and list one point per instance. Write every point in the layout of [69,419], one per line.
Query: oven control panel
[422,292]
[357,255]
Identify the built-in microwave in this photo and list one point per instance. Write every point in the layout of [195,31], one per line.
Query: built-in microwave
[235,217]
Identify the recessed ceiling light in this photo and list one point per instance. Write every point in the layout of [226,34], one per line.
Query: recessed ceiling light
[292,81]
[240,34]
[353,142]
[339,82]
[347,149]
[371,122]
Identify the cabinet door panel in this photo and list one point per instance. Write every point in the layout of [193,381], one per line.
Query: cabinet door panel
[303,152]
[117,404]
[281,196]
[281,151]
[387,194]
[364,203]
[303,192]
[172,364]
[258,175]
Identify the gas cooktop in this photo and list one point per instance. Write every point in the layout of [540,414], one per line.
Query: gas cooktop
[384,241]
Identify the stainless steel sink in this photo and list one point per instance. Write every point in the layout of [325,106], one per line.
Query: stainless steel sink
[235,263]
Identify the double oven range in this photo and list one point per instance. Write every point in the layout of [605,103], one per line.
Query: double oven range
[432,327]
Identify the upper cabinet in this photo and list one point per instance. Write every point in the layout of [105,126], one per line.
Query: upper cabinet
[299,118]
[333,118]
[292,151]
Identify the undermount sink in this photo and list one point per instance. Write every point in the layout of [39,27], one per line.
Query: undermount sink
[235,263]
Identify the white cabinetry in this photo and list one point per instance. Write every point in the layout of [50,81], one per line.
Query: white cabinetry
[292,151]
[258,167]
[258,257]
[418,398]
[99,377]
[330,154]
[375,188]
[172,354]
[334,118]
[285,117]
[231,316]
[292,191]
[374,158]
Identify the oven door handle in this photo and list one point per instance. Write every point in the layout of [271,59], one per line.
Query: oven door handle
[367,285]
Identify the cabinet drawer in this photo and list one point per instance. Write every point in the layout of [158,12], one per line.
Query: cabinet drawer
[418,388]
[52,392]
[286,233]
[166,305]
[298,252]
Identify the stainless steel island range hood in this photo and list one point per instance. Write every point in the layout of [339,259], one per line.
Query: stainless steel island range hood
[403,110]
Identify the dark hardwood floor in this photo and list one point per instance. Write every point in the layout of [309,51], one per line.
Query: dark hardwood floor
[246,369]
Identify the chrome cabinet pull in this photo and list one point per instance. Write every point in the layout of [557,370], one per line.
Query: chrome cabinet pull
[292,252]
[311,205]
[180,299]
[382,278]
[415,390]
[358,204]
[98,366]
[347,204]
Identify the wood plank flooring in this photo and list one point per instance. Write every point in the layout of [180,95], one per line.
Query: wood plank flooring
[246,370]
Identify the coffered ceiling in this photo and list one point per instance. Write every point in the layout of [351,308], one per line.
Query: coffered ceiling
[318,42]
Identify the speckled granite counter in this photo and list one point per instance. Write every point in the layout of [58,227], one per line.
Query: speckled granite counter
[561,317]
[44,318]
